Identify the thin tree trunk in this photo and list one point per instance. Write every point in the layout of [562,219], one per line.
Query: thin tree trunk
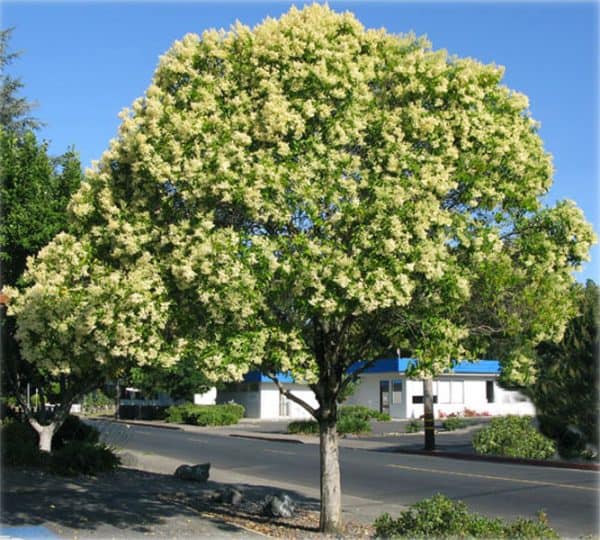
[428,410]
[331,492]
[45,433]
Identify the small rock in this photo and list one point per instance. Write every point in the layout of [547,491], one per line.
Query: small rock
[196,473]
[279,506]
[229,496]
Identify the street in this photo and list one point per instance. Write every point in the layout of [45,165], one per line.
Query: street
[378,481]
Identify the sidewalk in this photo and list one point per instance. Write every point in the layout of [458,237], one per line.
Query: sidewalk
[125,504]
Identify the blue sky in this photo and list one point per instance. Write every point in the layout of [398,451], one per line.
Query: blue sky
[85,61]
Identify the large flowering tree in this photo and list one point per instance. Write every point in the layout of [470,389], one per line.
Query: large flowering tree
[310,191]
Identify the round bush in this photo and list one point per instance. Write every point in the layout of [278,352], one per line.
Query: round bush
[513,436]
[19,445]
[441,517]
[361,411]
[205,415]
[306,427]
[353,424]
[414,426]
[454,422]
[73,429]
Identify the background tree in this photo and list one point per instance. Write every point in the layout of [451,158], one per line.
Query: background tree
[565,392]
[180,381]
[14,110]
[35,189]
[300,187]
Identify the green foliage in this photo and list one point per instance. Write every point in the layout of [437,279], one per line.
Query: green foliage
[305,427]
[81,457]
[565,393]
[366,413]
[442,518]
[97,401]
[19,444]
[414,426]
[74,430]
[454,422]
[205,415]
[513,436]
[347,423]
[353,424]
[14,110]
[180,381]
[35,190]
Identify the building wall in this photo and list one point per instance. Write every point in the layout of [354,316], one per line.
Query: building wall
[455,394]
[367,393]
[208,398]
[274,405]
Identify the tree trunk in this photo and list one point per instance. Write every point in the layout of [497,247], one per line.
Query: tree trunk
[331,492]
[45,433]
[428,410]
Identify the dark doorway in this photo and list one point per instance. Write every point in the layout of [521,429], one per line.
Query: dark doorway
[384,396]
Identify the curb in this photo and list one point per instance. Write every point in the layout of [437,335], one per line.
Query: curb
[264,438]
[500,459]
[136,423]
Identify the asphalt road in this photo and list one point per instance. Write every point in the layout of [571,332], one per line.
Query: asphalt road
[385,481]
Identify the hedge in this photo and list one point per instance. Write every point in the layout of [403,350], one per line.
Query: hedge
[205,415]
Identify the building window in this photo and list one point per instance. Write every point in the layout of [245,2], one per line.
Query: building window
[489,391]
[419,399]
[397,391]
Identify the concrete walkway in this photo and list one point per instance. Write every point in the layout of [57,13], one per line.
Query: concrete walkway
[130,503]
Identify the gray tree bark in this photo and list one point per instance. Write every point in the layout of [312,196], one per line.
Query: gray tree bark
[429,417]
[331,492]
[45,434]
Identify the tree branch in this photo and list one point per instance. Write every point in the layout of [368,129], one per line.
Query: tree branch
[292,397]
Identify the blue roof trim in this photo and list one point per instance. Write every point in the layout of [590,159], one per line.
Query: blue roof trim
[392,365]
[257,376]
[400,365]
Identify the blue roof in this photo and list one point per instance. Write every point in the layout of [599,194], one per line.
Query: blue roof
[392,365]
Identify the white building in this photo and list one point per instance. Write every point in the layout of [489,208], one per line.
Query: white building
[385,387]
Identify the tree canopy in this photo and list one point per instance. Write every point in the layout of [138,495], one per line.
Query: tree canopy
[308,193]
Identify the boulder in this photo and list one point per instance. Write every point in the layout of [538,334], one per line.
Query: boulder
[195,473]
[280,505]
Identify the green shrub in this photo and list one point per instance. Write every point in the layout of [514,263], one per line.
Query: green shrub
[440,517]
[97,401]
[20,445]
[454,422]
[205,415]
[305,427]
[513,436]
[79,457]
[353,424]
[360,411]
[346,424]
[414,426]
[73,429]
